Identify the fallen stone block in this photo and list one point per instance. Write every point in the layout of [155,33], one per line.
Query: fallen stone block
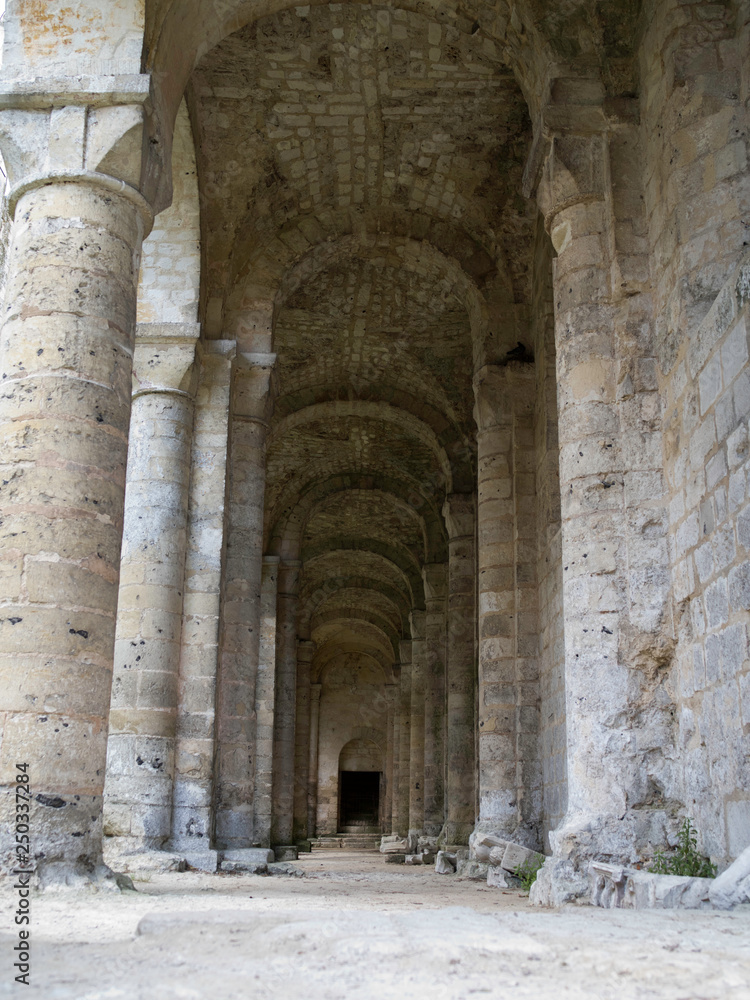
[445,863]
[733,885]
[202,861]
[285,852]
[147,861]
[496,855]
[249,855]
[475,870]
[496,878]
[413,859]
[486,839]
[393,845]
[395,859]
[284,868]
[481,852]
[243,868]
[427,845]
[617,887]
[515,856]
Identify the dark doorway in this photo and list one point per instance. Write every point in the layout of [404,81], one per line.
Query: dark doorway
[359,800]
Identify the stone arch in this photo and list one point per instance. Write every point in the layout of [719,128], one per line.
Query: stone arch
[284,534]
[266,279]
[381,411]
[330,650]
[361,754]
[178,33]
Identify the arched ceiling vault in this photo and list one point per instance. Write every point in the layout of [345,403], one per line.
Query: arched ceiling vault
[537,39]
[362,217]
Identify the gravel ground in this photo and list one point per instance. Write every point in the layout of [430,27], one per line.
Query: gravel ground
[354,927]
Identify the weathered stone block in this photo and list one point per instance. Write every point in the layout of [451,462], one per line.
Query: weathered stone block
[515,856]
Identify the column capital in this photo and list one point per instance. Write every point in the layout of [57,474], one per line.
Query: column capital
[163,358]
[459,511]
[86,130]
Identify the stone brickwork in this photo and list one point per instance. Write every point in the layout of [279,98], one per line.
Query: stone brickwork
[375,398]
[706,465]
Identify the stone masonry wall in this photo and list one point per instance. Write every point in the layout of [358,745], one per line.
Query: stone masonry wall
[706,465]
[697,198]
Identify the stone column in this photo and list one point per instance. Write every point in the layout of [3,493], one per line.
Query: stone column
[459,514]
[286,698]
[240,616]
[401,821]
[312,796]
[143,714]
[435,583]
[264,704]
[390,699]
[66,348]
[509,766]
[416,735]
[305,653]
[617,625]
[192,800]
[395,799]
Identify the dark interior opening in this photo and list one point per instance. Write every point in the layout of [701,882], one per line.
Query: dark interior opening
[359,798]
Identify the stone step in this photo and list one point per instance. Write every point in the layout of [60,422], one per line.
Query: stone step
[348,842]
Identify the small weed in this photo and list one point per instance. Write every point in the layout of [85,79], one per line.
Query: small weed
[528,871]
[685,860]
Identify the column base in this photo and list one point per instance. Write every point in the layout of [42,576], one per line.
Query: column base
[285,852]
[582,838]
[60,876]
[455,834]
[133,854]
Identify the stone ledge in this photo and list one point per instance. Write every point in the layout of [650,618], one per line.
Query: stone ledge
[617,887]
[43,92]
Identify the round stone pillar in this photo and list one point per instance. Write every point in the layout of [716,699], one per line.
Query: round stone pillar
[312,796]
[285,705]
[66,356]
[265,694]
[618,629]
[141,747]
[240,611]
[435,582]
[416,735]
[390,700]
[401,819]
[305,653]
[508,711]
[459,514]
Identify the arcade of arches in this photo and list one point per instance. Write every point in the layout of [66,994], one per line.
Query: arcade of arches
[374,426]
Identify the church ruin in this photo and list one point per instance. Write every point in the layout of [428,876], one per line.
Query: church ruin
[374,427]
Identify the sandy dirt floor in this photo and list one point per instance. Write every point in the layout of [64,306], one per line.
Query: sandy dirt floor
[354,927]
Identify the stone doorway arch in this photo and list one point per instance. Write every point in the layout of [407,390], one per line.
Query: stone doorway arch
[360,791]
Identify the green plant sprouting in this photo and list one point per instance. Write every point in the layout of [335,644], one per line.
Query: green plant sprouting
[685,860]
[528,871]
